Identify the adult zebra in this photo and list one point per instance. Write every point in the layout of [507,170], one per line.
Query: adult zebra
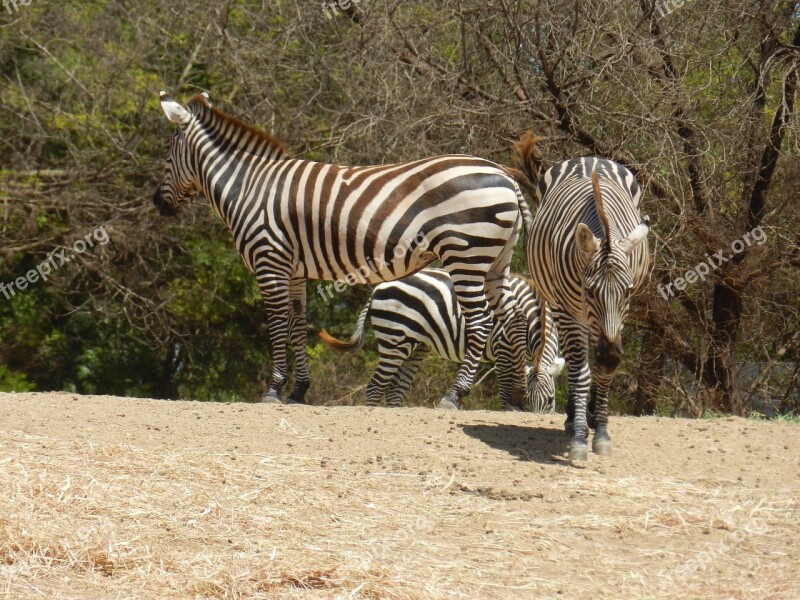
[294,220]
[587,252]
[420,314]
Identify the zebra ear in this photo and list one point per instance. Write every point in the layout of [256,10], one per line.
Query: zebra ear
[557,366]
[635,237]
[174,111]
[585,239]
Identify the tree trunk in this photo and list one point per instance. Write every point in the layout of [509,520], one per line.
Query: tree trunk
[718,373]
[165,384]
[651,371]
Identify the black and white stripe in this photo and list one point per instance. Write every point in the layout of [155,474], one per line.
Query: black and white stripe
[294,220]
[587,252]
[420,314]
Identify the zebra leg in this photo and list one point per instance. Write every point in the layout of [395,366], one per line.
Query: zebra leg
[275,291]
[390,359]
[477,325]
[601,442]
[576,353]
[506,379]
[513,342]
[590,410]
[591,406]
[298,332]
[569,423]
[405,376]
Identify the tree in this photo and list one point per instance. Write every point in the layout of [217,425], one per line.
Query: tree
[698,101]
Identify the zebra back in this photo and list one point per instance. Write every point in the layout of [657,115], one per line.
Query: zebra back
[582,168]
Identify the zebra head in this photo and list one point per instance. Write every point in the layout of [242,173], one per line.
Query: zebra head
[608,282]
[541,393]
[180,179]
[541,387]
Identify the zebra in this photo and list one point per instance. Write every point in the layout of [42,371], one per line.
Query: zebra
[587,252]
[294,220]
[420,314]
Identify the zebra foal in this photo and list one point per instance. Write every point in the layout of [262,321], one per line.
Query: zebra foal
[419,314]
[588,254]
[294,220]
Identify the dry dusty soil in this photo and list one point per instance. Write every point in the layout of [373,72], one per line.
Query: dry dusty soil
[104,497]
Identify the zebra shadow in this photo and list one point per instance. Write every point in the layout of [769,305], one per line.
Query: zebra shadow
[529,443]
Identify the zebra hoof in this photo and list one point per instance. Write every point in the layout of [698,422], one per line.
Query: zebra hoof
[578,452]
[601,447]
[293,401]
[446,404]
[450,401]
[268,398]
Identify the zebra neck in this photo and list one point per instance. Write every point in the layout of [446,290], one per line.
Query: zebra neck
[226,178]
[229,156]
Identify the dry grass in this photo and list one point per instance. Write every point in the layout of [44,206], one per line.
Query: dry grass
[417,510]
[78,511]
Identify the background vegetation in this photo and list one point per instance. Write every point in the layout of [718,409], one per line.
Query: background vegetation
[700,103]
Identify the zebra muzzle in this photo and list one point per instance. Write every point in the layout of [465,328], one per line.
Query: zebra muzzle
[608,354]
[165,209]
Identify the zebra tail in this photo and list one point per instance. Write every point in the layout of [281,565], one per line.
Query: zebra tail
[356,340]
[527,216]
[529,159]
[523,182]
[526,151]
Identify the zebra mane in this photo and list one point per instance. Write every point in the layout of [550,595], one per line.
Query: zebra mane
[200,106]
[537,357]
[601,210]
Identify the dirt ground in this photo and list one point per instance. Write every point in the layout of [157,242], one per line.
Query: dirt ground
[107,497]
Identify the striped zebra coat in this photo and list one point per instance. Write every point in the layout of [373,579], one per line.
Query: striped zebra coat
[588,254]
[294,220]
[419,314]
